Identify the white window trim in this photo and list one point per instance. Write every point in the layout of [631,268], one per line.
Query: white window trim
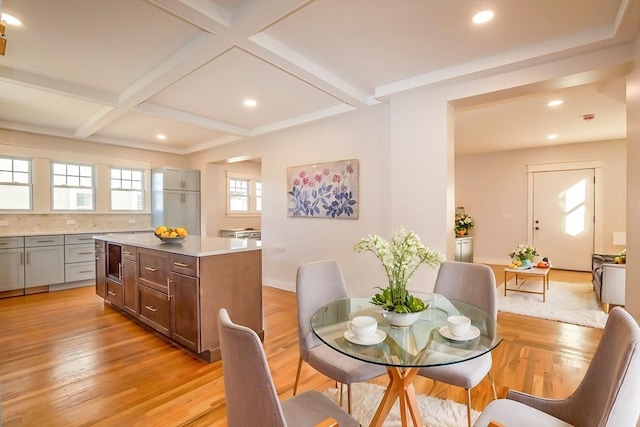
[30,184]
[93,185]
[142,189]
[252,212]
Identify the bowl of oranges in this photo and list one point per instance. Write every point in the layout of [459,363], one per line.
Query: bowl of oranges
[169,234]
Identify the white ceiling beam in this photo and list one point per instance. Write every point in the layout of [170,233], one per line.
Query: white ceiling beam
[202,14]
[191,119]
[48,84]
[290,61]
[537,53]
[302,120]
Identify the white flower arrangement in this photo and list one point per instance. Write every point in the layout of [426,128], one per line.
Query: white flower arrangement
[463,222]
[400,260]
[523,252]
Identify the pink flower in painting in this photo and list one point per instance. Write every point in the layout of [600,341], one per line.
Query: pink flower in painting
[311,183]
[325,171]
[305,180]
[337,178]
[296,181]
[318,177]
[302,174]
[349,168]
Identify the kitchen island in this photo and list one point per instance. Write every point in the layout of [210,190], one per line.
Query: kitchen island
[177,289]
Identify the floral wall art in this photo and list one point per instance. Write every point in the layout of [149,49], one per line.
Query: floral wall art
[323,190]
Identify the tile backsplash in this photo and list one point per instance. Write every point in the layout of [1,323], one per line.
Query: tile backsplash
[65,223]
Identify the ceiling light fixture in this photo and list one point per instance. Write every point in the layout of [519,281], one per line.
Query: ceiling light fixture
[250,102]
[11,20]
[161,136]
[555,103]
[552,136]
[482,17]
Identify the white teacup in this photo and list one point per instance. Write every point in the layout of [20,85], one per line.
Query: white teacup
[458,325]
[363,327]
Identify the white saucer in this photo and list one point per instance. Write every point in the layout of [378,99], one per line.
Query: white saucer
[377,338]
[471,334]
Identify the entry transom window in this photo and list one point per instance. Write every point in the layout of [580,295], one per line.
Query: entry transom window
[127,192]
[244,195]
[73,187]
[15,184]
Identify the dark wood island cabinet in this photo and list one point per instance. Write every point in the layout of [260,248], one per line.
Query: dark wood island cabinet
[177,289]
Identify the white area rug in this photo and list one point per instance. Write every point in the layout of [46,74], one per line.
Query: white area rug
[435,412]
[566,302]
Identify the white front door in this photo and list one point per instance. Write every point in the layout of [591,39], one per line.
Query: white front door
[563,217]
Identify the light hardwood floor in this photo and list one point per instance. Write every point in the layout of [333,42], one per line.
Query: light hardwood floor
[67,359]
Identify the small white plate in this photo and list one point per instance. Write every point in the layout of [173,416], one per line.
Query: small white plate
[377,338]
[472,333]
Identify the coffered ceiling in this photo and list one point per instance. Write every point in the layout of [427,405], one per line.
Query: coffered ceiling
[121,72]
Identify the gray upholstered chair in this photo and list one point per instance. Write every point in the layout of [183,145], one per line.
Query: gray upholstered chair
[251,397]
[473,284]
[608,396]
[319,283]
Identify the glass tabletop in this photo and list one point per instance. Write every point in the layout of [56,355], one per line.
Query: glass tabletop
[420,345]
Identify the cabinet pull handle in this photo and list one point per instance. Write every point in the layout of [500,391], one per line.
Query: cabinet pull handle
[44,241]
[151,269]
[169,296]
[86,271]
[126,252]
[113,294]
[85,238]
[120,270]
[4,243]
[85,253]
[180,264]
[151,308]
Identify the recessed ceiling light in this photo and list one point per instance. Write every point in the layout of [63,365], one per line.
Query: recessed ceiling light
[552,136]
[161,136]
[482,17]
[11,20]
[250,102]
[555,103]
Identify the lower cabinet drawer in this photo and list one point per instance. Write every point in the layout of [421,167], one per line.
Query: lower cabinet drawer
[79,253]
[114,293]
[80,271]
[155,309]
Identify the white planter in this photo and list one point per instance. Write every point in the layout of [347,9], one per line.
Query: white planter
[401,320]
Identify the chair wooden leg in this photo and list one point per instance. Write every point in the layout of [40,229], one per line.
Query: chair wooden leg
[493,386]
[295,386]
[349,398]
[341,394]
[469,407]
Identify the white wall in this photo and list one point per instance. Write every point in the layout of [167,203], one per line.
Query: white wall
[494,184]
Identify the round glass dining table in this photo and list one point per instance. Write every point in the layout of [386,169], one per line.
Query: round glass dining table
[405,350]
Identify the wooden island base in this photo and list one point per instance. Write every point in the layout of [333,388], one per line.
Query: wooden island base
[177,290]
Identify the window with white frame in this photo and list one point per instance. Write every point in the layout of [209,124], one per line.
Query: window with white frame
[15,183]
[127,190]
[244,194]
[73,186]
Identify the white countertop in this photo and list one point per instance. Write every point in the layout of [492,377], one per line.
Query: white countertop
[70,232]
[192,245]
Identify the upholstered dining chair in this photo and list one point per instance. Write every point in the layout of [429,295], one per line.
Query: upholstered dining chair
[251,396]
[317,284]
[473,284]
[607,396]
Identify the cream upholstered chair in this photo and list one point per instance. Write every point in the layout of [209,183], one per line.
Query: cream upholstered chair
[473,284]
[251,397]
[319,283]
[608,396]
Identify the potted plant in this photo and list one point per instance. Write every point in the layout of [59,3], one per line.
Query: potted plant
[463,224]
[400,259]
[523,255]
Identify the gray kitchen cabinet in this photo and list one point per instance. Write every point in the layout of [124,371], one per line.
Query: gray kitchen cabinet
[175,198]
[11,263]
[79,257]
[464,249]
[43,260]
